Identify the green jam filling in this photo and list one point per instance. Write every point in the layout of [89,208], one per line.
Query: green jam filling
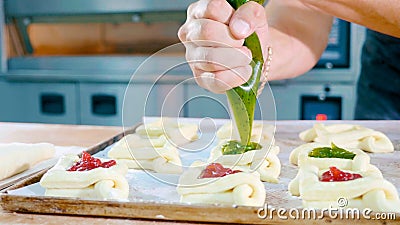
[235,147]
[243,98]
[331,152]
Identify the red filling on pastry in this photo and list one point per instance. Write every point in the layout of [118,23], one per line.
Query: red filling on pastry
[334,174]
[216,170]
[87,162]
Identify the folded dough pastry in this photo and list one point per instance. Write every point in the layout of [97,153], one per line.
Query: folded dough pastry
[299,156]
[177,132]
[99,183]
[261,132]
[265,161]
[239,189]
[347,135]
[18,157]
[155,154]
[371,191]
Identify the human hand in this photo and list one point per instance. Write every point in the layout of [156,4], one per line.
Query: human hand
[213,35]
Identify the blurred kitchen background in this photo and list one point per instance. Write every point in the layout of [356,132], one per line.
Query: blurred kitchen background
[70,61]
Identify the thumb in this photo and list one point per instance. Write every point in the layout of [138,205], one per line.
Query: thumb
[246,19]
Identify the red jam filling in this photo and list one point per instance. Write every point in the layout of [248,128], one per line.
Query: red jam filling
[334,175]
[216,170]
[87,162]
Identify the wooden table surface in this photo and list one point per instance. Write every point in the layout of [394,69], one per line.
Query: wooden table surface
[77,135]
[60,135]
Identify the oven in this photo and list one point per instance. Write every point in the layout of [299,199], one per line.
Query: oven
[70,61]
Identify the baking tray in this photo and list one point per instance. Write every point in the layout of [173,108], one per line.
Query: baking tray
[157,208]
[64,141]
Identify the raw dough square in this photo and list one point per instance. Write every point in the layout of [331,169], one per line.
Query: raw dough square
[99,183]
[18,157]
[371,191]
[177,132]
[348,135]
[299,156]
[155,154]
[235,189]
[265,161]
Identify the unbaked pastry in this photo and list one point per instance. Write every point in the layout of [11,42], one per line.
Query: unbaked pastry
[155,154]
[299,156]
[371,191]
[18,157]
[239,189]
[176,131]
[265,161]
[99,183]
[261,132]
[348,135]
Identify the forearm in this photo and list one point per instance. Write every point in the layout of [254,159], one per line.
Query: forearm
[382,16]
[298,36]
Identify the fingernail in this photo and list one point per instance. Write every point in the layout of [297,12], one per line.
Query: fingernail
[240,27]
[207,76]
[207,79]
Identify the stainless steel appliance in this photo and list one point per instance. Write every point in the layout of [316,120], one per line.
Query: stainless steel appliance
[69,61]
